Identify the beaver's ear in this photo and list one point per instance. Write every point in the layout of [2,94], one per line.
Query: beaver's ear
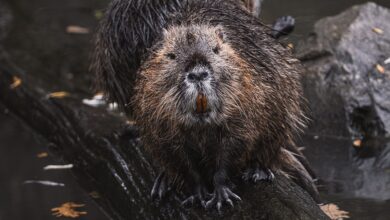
[220,33]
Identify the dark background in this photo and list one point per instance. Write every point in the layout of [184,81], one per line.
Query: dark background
[37,39]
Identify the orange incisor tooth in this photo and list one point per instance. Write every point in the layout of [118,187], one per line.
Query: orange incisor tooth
[201,103]
[204,103]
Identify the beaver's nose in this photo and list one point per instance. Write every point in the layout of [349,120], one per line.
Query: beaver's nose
[197,76]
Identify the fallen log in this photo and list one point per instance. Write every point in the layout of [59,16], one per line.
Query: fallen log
[113,163]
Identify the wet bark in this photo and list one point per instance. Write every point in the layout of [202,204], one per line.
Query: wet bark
[113,163]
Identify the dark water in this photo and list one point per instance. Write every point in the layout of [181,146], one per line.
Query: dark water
[18,162]
[37,43]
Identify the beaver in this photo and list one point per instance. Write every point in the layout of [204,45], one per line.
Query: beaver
[213,94]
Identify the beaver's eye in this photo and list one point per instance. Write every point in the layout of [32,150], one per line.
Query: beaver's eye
[171,56]
[216,49]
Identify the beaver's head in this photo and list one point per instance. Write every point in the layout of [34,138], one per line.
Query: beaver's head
[193,77]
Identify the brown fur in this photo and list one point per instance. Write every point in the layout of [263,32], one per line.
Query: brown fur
[257,109]
[259,115]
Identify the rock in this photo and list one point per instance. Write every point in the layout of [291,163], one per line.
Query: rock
[348,89]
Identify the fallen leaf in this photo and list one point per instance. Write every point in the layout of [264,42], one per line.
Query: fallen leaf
[58,167]
[290,45]
[16,82]
[44,182]
[58,95]
[42,155]
[334,212]
[94,195]
[97,100]
[377,30]
[357,143]
[380,68]
[131,123]
[74,29]
[68,210]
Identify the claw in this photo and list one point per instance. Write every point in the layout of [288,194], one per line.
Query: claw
[203,203]
[256,175]
[271,175]
[199,195]
[222,194]
[211,202]
[189,201]
[160,187]
[230,202]
[219,206]
[156,186]
[234,195]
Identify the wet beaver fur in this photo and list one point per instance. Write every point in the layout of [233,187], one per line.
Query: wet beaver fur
[213,94]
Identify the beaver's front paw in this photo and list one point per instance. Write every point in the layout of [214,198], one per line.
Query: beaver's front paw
[222,195]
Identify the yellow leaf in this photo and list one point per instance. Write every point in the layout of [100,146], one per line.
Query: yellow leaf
[68,210]
[357,143]
[74,29]
[58,95]
[16,82]
[290,45]
[42,155]
[131,123]
[334,212]
[380,68]
[377,30]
